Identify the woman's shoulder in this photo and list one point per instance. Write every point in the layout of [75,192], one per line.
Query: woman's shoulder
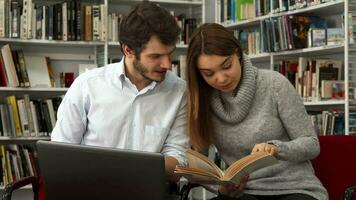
[271,77]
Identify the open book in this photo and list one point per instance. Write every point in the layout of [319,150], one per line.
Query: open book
[201,170]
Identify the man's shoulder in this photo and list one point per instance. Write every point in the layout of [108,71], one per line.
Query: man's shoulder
[107,70]
[175,82]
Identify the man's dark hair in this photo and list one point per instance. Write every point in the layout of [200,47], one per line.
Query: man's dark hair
[145,20]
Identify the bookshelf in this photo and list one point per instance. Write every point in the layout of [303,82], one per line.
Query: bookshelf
[66,55]
[334,12]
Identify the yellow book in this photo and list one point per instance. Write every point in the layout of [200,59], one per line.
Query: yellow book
[12,101]
[201,170]
[3,165]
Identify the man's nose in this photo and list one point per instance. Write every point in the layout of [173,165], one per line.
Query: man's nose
[166,62]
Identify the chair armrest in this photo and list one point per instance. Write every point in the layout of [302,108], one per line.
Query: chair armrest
[184,192]
[9,188]
[349,192]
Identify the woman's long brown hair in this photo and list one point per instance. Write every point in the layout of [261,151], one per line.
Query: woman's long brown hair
[210,39]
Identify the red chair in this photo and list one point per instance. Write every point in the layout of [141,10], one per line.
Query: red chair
[336,166]
[37,188]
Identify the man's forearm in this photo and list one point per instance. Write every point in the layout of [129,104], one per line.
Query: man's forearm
[170,163]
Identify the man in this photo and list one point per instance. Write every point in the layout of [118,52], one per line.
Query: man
[137,103]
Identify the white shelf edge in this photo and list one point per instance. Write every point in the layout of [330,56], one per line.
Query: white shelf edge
[325,103]
[178,2]
[29,138]
[26,187]
[2,89]
[296,51]
[293,12]
[235,24]
[259,56]
[173,2]
[308,50]
[310,8]
[180,46]
[52,42]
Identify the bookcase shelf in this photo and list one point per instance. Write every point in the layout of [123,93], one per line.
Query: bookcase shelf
[325,103]
[329,8]
[21,89]
[51,42]
[163,2]
[26,187]
[335,14]
[72,56]
[262,57]
[17,140]
[312,51]
[178,46]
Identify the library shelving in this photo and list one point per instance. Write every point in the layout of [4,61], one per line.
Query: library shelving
[70,45]
[276,22]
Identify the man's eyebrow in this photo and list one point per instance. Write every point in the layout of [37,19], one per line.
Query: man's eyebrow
[159,54]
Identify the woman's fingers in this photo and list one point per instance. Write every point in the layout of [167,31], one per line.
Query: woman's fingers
[265,147]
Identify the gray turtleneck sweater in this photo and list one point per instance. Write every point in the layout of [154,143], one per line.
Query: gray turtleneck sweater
[266,108]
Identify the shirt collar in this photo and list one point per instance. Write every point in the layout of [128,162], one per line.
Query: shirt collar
[124,79]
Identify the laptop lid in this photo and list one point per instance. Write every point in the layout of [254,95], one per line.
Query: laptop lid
[72,171]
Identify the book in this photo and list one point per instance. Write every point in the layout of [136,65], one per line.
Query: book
[201,170]
[37,70]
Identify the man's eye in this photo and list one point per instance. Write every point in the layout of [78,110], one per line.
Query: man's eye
[155,56]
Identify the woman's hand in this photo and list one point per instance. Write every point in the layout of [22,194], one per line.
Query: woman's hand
[232,190]
[265,147]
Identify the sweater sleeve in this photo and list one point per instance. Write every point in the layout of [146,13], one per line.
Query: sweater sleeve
[303,144]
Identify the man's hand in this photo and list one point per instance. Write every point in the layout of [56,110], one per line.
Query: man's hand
[231,190]
[265,147]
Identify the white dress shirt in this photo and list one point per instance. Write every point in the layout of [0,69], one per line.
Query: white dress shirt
[103,108]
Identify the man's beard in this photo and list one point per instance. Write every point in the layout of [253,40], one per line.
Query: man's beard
[140,68]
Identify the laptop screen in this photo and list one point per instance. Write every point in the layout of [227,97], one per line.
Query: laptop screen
[72,171]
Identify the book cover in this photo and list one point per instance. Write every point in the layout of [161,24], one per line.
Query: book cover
[37,71]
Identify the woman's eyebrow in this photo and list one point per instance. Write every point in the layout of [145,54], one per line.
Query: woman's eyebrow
[223,63]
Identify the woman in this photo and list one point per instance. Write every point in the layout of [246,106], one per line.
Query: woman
[241,110]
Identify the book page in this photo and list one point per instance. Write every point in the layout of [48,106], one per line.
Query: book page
[199,161]
[197,175]
[247,165]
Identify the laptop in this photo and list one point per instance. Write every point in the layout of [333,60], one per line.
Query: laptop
[72,171]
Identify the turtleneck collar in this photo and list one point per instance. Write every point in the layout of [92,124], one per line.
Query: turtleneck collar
[234,106]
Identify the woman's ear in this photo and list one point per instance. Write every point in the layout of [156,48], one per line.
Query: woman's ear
[129,53]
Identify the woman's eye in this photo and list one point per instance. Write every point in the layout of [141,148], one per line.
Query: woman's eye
[227,66]
[207,74]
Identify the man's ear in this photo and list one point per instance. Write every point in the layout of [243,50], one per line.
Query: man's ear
[129,53]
